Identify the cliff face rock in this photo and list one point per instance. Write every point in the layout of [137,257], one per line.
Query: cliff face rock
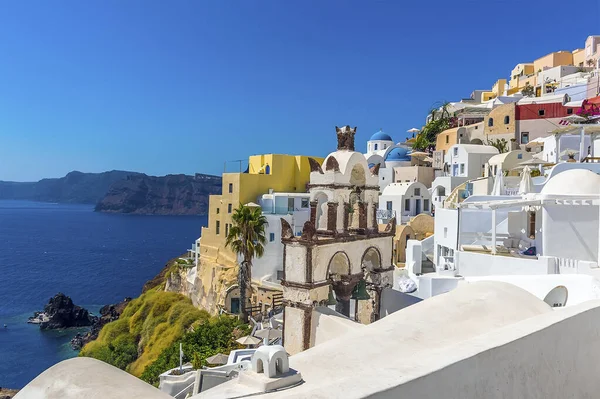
[61,312]
[165,195]
[75,187]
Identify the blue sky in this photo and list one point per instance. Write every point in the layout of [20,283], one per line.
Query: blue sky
[182,86]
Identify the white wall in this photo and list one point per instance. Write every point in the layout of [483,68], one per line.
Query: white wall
[477,264]
[398,201]
[553,355]
[386,176]
[567,142]
[272,259]
[537,128]
[571,232]
[445,230]
[474,163]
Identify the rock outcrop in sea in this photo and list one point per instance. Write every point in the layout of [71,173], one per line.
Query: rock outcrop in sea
[61,312]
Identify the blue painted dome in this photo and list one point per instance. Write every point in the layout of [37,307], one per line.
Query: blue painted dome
[398,154]
[380,135]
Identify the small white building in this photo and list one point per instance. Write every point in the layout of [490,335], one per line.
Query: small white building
[469,160]
[506,162]
[403,201]
[295,209]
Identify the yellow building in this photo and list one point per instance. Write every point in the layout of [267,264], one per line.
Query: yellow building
[280,173]
[216,280]
[579,57]
[519,74]
[499,87]
[552,60]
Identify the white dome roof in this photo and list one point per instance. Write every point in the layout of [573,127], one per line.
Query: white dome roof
[573,182]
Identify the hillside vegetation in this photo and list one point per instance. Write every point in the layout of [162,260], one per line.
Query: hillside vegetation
[209,337]
[147,326]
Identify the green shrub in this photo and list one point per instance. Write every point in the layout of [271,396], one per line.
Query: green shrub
[209,337]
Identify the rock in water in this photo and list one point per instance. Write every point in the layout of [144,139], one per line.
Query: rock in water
[61,312]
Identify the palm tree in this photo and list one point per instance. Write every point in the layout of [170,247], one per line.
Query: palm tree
[247,239]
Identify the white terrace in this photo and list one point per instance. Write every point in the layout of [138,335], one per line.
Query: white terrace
[556,231]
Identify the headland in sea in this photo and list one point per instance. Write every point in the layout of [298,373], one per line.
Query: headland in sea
[95,258]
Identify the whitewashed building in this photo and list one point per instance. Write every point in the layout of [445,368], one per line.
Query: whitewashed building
[468,160]
[295,209]
[403,201]
[382,151]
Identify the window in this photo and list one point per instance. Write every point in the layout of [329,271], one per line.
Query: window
[417,191]
[524,137]
[226,229]
[455,151]
[541,112]
[531,224]
[569,111]
[271,237]
[218,227]
[447,139]
[384,146]
[388,205]
[506,120]
[476,127]
[305,203]
[407,204]
[375,147]
[218,211]
[230,187]
[462,168]
[491,122]
[426,205]
[519,156]
[279,274]
[229,208]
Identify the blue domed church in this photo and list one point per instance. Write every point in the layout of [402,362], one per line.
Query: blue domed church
[382,150]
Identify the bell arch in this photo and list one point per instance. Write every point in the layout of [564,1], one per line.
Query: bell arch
[358,176]
[339,264]
[371,259]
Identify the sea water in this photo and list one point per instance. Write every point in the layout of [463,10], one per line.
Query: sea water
[95,258]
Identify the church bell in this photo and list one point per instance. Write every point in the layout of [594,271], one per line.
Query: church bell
[360,291]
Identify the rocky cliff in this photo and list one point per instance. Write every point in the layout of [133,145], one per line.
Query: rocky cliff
[165,195]
[75,187]
[61,312]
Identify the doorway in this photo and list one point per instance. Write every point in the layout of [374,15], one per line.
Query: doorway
[417,206]
[235,305]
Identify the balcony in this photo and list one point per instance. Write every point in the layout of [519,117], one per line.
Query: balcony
[384,215]
[284,210]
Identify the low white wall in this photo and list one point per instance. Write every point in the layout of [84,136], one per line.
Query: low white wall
[553,355]
[432,285]
[476,264]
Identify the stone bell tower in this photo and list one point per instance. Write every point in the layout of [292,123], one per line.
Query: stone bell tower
[340,247]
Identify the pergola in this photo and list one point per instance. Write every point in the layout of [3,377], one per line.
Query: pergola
[525,203]
[592,129]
